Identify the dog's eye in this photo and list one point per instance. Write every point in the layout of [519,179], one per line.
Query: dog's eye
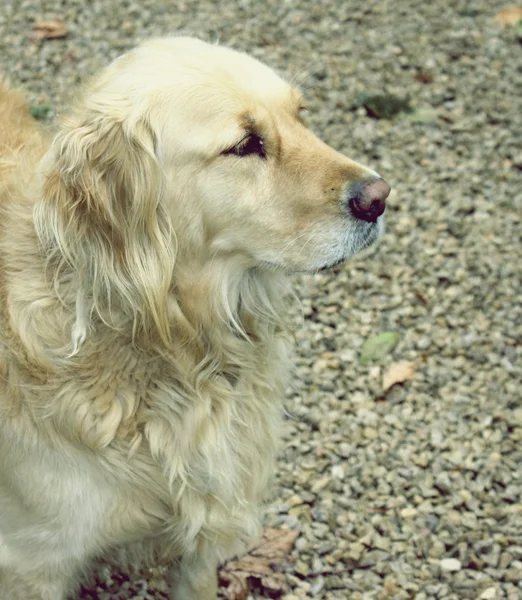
[250,144]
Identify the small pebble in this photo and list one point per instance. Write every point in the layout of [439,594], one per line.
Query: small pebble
[450,564]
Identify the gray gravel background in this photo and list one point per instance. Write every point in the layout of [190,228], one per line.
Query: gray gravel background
[415,493]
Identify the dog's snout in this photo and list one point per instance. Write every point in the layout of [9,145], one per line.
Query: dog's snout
[366,199]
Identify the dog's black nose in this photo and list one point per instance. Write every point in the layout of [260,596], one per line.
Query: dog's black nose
[366,199]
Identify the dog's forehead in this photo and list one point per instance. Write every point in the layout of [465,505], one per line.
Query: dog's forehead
[218,72]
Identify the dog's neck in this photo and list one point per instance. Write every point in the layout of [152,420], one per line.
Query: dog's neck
[222,297]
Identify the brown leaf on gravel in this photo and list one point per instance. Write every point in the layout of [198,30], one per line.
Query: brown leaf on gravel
[509,16]
[424,77]
[49,30]
[397,373]
[255,570]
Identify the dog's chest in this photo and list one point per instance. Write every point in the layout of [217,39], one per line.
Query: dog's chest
[205,458]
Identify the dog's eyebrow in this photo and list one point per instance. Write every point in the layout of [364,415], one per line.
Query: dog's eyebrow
[248,121]
[251,124]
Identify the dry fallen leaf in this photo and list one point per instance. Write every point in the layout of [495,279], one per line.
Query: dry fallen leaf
[397,373]
[510,16]
[424,77]
[255,568]
[48,30]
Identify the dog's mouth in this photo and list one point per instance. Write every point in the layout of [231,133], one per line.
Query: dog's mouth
[333,265]
[365,236]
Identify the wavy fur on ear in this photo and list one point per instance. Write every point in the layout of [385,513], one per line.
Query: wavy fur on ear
[101,215]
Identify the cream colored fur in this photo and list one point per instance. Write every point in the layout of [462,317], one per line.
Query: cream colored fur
[143,291]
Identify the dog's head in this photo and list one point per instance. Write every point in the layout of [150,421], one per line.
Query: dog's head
[181,147]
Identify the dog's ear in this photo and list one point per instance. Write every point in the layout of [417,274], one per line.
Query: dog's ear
[101,218]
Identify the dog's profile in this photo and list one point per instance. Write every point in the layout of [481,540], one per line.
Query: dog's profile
[144,255]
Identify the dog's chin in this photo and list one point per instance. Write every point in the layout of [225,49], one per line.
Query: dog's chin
[365,236]
[359,239]
[329,266]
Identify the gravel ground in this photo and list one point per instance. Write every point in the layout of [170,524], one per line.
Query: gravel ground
[417,492]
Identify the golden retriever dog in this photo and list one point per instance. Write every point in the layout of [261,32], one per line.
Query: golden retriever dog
[144,258]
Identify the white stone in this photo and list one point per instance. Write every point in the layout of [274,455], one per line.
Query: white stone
[450,564]
[338,471]
[489,594]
